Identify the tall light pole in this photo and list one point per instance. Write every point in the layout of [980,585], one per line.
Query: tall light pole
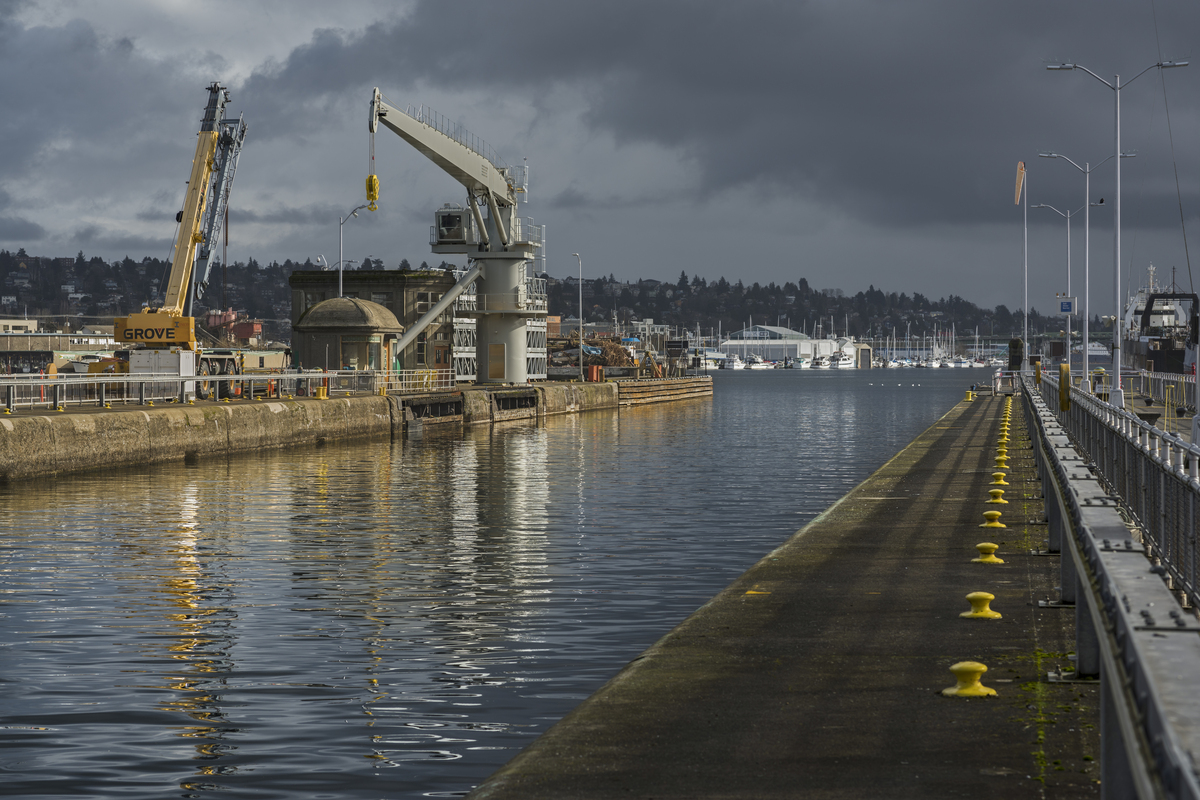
[1021,188]
[342,221]
[1116,394]
[1086,169]
[580,315]
[1068,215]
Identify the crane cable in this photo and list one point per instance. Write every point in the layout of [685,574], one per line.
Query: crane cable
[372,178]
[1171,138]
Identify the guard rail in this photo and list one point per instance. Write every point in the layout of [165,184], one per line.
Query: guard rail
[1132,631]
[65,390]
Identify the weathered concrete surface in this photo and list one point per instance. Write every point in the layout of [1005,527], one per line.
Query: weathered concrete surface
[92,437]
[477,407]
[68,442]
[569,398]
[817,673]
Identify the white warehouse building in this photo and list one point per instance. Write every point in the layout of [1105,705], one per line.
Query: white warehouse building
[773,343]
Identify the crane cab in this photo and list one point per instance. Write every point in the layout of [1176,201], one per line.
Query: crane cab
[454,230]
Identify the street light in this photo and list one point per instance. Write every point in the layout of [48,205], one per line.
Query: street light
[580,315]
[323,262]
[1086,169]
[341,264]
[1068,215]
[1117,399]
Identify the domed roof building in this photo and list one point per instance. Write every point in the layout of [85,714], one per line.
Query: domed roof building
[346,333]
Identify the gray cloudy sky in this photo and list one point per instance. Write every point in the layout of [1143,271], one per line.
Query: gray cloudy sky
[851,143]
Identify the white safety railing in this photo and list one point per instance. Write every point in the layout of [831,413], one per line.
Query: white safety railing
[453,130]
[419,380]
[1131,632]
[1155,474]
[61,392]
[1169,389]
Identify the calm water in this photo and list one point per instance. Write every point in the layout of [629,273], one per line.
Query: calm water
[398,619]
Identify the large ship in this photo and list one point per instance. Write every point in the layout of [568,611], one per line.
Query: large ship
[1159,329]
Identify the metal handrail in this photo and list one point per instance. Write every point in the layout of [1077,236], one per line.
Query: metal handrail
[1170,387]
[1155,473]
[58,392]
[1131,631]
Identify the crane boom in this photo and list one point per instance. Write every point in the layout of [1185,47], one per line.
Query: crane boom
[479,174]
[218,146]
[229,151]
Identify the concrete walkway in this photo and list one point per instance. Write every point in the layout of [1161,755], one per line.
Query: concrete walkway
[817,674]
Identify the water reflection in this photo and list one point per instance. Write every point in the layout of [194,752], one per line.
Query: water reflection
[394,619]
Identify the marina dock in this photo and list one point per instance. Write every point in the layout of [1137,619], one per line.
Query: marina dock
[819,672]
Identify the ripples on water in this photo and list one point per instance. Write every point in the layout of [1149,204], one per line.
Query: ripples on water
[398,619]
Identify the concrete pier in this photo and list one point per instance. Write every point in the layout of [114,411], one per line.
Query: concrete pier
[90,437]
[819,672]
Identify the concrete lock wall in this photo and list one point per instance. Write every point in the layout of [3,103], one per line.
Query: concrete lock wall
[567,398]
[46,444]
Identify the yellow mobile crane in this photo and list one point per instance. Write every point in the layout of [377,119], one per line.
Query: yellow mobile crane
[170,327]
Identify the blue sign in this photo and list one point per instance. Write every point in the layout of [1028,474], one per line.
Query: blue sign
[1066,305]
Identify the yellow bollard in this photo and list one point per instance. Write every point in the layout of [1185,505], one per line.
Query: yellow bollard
[968,673]
[1001,462]
[998,479]
[993,520]
[970,396]
[987,554]
[997,496]
[980,608]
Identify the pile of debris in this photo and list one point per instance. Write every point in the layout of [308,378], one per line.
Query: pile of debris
[596,352]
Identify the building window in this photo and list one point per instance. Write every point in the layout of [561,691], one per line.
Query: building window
[420,349]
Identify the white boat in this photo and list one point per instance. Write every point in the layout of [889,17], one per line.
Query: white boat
[841,361]
[758,362]
[733,361]
[820,362]
[960,362]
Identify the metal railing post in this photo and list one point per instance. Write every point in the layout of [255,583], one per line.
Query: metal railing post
[10,400]
[141,393]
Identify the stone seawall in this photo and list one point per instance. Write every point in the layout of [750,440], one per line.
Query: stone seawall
[95,438]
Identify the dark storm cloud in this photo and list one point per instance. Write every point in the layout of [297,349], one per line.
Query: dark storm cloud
[74,97]
[280,215]
[16,229]
[896,113]
[95,238]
